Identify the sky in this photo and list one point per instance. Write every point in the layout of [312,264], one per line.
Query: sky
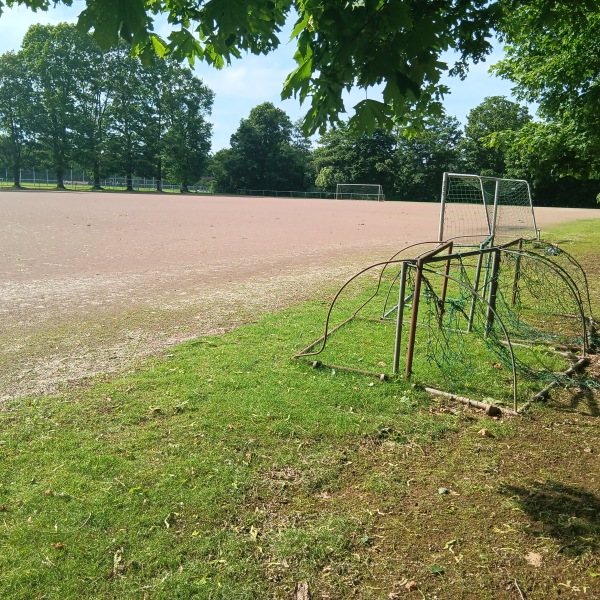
[253,80]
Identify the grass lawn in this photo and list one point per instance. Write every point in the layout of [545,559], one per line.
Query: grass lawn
[225,470]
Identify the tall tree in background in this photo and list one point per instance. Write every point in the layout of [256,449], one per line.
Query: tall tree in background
[51,54]
[103,110]
[558,69]
[220,169]
[494,115]
[127,119]
[157,77]
[265,153]
[15,110]
[424,155]
[347,156]
[187,139]
[96,90]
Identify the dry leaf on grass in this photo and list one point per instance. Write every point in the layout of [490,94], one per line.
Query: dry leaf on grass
[534,559]
[302,591]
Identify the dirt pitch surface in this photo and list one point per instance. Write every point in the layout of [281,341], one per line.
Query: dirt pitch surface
[94,282]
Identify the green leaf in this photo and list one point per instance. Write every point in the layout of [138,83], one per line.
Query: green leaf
[371,115]
[300,26]
[184,45]
[159,46]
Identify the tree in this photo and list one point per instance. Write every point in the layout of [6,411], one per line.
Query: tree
[220,169]
[495,114]
[156,80]
[345,155]
[266,153]
[15,110]
[127,118]
[424,155]
[95,93]
[557,67]
[51,55]
[398,44]
[187,139]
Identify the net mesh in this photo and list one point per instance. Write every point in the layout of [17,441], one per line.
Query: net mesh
[475,207]
[493,314]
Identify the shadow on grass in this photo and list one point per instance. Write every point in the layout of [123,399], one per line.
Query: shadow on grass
[568,514]
[585,400]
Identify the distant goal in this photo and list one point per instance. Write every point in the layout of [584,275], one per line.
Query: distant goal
[359,191]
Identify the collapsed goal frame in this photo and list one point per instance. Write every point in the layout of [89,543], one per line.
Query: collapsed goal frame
[498,305]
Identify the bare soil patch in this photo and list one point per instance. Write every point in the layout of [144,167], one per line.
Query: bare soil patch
[94,282]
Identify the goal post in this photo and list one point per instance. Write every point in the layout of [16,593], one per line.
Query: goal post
[359,191]
[477,207]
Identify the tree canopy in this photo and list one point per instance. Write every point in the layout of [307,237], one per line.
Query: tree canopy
[557,67]
[495,115]
[266,154]
[63,100]
[397,44]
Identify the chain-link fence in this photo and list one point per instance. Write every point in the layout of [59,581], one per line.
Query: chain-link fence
[284,194]
[78,178]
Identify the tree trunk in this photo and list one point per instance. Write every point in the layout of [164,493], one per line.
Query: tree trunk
[17,171]
[129,182]
[159,181]
[60,178]
[184,189]
[96,175]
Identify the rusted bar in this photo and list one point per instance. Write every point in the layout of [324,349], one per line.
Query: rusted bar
[412,334]
[425,257]
[543,394]
[381,376]
[306,351]
[399,318]
[474,298]
[515,290]
[490,409]
[493,290]
[445,286]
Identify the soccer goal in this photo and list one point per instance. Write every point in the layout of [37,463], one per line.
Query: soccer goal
[359,191]
[476,207]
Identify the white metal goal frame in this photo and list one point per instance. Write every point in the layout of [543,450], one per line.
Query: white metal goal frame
[359,191]
[476,206]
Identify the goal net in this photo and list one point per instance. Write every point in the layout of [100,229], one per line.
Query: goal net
[474,208]
[359,191]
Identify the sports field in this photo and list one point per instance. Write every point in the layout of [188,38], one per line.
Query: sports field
[93,282]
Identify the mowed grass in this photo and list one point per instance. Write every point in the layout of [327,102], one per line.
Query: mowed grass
[224,469]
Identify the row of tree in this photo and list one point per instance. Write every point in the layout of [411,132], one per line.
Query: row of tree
[63,100]
[269,153]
